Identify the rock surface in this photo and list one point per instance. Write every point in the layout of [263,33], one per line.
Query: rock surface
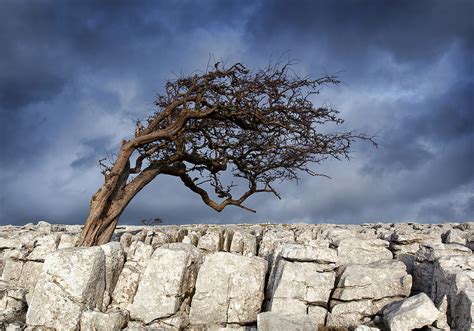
[229,289]
[239,277]
[412,313]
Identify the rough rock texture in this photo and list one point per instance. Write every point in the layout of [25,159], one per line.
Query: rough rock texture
[73,279]
[169,276]
[239,277]
[411,313]
[229,289]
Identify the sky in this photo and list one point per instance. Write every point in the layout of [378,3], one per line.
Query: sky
[75,74]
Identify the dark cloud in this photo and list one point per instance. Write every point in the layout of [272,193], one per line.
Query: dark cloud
[74,75]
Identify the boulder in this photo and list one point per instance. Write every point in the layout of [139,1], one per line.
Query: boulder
[43,246]
[114,260]
[355,250]
[127,284]
[243,243]
[229,289]
[12,303]
[376,280]
[412,313]
[168,278]
[300,281]
[270,321]
[272,238]
[302,253]
[212,241]
[354,313]
[30,274]
[97,321]
[72,280]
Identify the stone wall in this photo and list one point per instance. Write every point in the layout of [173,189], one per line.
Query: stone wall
[239,277]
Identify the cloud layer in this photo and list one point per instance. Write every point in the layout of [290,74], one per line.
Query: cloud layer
[75,74]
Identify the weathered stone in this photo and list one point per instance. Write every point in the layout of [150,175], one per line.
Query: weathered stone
[139,252]
[67,240]
[302,253]
[43,246]
[72,280]
[12,304]
[455,236]
[376,280]
[432,251]
[318,315]
[114,260]
[244,243]
[270,321]
[12,270]
[273,238]
[170,276]
[411,313]
[52,307]
[229,289]
[127,284]
[97,321]
[354,250]
[212,241]
[354,313]
[442,321]
[302,281]
[30,274]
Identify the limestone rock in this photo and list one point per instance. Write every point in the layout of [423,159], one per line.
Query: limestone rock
[30,274]
[127,284]
[376,280]
[43,246]
[97,321]
[302,281]
[12,303]
[411,313]
[114,260]
[243,243]
[229,289]
[455,236]
[212,241]
[273,238]
[270,321]
[354,250]
[139,252]
[51,307]
[354,313]
[318,315]
[72,280]
[303,253]
[169,277]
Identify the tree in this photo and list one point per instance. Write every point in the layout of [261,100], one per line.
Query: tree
[260,127]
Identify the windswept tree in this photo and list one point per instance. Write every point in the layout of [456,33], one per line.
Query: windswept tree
[260,127]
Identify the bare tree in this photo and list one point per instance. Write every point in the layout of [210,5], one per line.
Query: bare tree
[259,126]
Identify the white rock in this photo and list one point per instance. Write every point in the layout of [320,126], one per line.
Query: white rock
[139,252]
[229,289]
[114,260]
[411,313]
[365,328]
[12,304]
[43,246]
[302,281]
[67,240]
[244,243]
[168,277]
[30,274]
[127,284]
[303,253]
[270,321]
[376,280]
[455,236]
[72,280]
[212,241]
[98,321]
[273,238]
[354,250]
[354,313]
[318,315]
[51,307]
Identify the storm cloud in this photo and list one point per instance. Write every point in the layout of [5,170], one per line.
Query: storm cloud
[75,74]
